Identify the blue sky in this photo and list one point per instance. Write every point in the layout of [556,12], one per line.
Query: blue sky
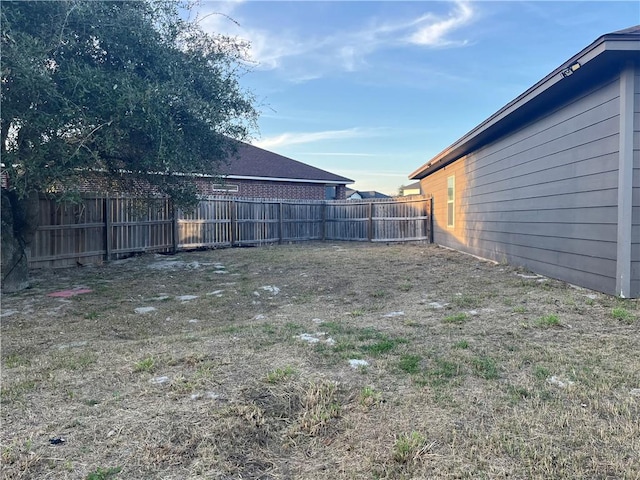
[372,90]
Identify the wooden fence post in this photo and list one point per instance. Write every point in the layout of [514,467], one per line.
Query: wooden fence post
[176,227]
[280,221]
[370,225]
[429,209]
[323,221]
[108,245]
[234,222]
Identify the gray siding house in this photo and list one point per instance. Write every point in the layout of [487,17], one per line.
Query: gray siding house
[551,181]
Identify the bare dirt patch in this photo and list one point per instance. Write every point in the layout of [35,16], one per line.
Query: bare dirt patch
[318,361]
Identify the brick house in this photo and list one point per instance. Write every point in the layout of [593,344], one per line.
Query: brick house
[257,173]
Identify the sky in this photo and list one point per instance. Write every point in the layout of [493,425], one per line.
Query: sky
[373,90]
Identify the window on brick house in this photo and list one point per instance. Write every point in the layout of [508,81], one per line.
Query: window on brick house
[330,192]
[224,187]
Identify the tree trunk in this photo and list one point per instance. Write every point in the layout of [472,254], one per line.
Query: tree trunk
[19,223]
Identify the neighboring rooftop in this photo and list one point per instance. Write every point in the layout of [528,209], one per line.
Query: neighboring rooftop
[254,163]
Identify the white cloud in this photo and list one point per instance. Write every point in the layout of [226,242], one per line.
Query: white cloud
[295,138]
[436,30]
[304,56]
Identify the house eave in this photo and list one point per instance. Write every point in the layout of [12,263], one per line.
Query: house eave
[346,181]
[603,45]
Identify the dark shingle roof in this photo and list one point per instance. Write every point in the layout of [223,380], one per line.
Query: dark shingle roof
[251,161]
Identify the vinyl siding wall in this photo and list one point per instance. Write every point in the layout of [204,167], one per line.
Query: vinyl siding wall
[635,232]
[545,196]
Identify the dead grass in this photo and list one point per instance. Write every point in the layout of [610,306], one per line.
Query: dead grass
[473,371]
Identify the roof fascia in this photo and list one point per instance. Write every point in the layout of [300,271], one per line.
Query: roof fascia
[459,148]
[296,180]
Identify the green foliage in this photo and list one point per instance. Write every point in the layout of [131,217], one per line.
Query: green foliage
[116,87]
[548,321]
[409,446]
[145,365]
[457,318]
[622,314]
[280,374]
[104,473]
[462,344]
[410,363]
[485,367]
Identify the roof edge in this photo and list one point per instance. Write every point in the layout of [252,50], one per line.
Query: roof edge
[607,42]
[296,180]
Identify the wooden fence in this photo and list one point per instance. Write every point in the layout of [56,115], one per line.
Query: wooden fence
[101,229]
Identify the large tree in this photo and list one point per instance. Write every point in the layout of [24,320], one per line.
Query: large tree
[130,89]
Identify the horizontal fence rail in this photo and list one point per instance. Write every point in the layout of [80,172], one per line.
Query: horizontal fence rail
[105,228]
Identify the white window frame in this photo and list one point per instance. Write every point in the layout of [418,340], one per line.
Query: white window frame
[225,187]
[451,201]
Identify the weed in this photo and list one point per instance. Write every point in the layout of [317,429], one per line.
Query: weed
[485,367]
[378,294]
[15,360]
[541,373]
[410,363]
[370,333]
[76,361]
[280,374]
[465,301]
[383,346]
[548,321]
[370,396]
[145,365]
[441,373]
[405,287]
[409,446]
[457,318]
[517,394]
[622,314]
[104,473]
[358,312]
[320,406]
[93,315]
[13,392]
[519,309]
[462,345]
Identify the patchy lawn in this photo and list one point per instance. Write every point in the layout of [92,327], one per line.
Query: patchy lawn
[317,361]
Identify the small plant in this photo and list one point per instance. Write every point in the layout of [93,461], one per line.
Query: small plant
[104,473]
[378,294]
[541,373]
[622,314]
[409,446]
[280,374]
[145,365]
[548,321]
[358,312]
[13,360]
[485,367]
[410,363]
[370,396]
[383,346]
[461,345]
[457,318]
[93,315]
[465,301]
[519,309]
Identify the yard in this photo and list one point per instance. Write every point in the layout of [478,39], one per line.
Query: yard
[317,360]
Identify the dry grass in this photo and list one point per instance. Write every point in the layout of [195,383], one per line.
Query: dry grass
[473,371]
